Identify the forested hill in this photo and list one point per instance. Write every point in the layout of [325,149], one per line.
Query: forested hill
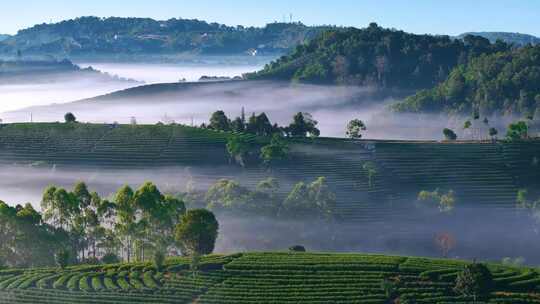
[93,35]
[377,56]
[517,39]
[502,83]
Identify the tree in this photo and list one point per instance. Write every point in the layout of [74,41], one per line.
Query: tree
[449,134]
[276,151]
[159,259]
[517,131]
[371,170]
[227,194]
[197,231]
[62,258]
[474,280]
[354,128]
[445,202]
[238,148]
[219,121]
[69,117]
[297,248]
[126,223]
[493,133]
[445,242]
[303,125]
[110,258]
[260,125]
[314,200]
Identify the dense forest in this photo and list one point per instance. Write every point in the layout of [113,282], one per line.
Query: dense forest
[385,58]
[502,83]
[93,35]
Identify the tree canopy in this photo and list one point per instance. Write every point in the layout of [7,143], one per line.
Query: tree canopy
[506,82]
[377,57]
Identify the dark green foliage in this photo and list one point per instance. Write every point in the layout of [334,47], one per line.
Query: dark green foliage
[69,117]
[297,248]
[25,240]
[159,259]
[493,132]
[503,83]
[376,56]
[61,258]
[449,134]
[517,131]
[303,125]
[198,231]
[355,128]
[475,280]
[238,147]
[219,121]
[276,151]
[110,258]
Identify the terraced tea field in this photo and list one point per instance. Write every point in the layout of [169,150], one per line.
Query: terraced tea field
[265,278]
[482,174]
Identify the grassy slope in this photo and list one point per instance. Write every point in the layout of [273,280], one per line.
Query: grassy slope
[484,173]
[264,278]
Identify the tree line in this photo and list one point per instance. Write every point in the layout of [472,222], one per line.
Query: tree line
[305,200]
[302,125]
[79,226]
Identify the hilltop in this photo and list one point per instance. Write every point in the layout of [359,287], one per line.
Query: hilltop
[268,278]
[375,56]
[115,35]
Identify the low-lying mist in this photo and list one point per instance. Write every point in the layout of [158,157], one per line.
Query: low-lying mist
[481,233]
[188,70]
[31,89]
[332,106]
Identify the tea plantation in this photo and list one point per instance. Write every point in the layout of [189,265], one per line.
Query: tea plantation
[266,278]
[483,174]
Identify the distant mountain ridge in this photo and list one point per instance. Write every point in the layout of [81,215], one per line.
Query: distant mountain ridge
[40,71]
[93,35]
[518,39]
[4,37]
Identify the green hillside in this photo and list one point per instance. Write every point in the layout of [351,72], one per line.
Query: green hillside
[502,83]
[375,56]
[480,173]
[267,278]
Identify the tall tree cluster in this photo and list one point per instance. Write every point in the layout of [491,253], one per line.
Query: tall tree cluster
[133,225]
[313,200]
[302,125]
[26,239]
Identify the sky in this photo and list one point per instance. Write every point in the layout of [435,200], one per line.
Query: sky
[416,16]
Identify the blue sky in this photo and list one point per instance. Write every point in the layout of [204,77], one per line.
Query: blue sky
[420,16]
